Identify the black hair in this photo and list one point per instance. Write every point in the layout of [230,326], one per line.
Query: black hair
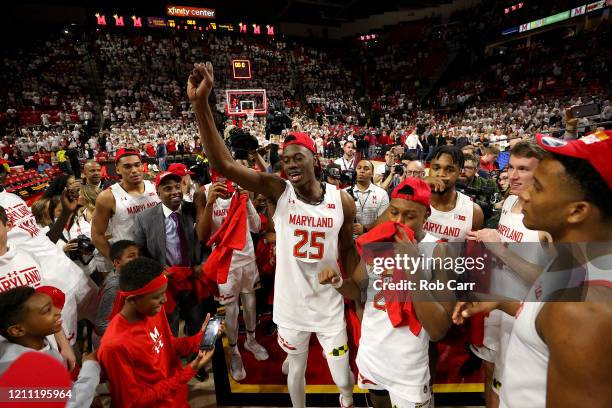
[57,186]
[3,216]
[12,307]
[453,151]
[116,249]
[138,273]
[589,181]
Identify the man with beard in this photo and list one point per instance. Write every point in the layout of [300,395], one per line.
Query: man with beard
[117,206]
[453,214]
[314,227]
[347,161]
[571,198]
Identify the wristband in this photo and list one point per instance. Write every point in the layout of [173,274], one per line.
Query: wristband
[339,284]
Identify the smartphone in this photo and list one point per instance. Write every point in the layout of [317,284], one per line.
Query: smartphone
[210,334]
[589,109]
[275,139]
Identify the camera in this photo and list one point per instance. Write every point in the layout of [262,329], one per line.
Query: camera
[344,176]
[398,169]
[84,250]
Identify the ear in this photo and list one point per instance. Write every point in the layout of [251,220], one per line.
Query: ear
[16,330]
[579,211]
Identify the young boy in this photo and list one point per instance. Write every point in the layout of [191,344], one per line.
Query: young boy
[121,252]
[138,351]
[18,268]
[27,317]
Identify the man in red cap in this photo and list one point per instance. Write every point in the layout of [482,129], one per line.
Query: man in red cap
[559,352]
[393,349]
[314,228]
[117,206]
[188,187]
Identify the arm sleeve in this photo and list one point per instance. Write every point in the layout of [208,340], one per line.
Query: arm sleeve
[384,204]
[187,345]
[106,306]
[84,389]
[129,390]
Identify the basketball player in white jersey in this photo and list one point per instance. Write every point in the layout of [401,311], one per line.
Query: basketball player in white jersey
[59,270]
[522,264]
[453,214]
[393,361]
[314,228]
[117,206]
[560,354]
[243,277]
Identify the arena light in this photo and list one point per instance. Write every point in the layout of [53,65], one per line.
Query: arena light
[256,29]
[243,27]
[270,29]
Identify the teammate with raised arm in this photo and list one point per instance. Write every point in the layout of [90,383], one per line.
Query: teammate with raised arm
[314,227]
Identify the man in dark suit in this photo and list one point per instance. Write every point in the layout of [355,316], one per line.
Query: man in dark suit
[166,233]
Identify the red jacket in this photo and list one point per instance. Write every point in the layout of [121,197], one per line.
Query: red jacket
[142,362]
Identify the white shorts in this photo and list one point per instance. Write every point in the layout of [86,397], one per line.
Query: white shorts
[244,279]
[396,401]
[334,345]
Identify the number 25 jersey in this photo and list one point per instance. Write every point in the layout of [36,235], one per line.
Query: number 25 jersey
[307,242]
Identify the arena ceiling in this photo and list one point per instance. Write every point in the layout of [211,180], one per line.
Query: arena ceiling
[319,12]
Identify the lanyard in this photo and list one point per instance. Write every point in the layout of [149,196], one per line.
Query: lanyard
[363,203]
[346,166]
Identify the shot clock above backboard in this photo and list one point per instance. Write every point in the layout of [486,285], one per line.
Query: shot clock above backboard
[241,69]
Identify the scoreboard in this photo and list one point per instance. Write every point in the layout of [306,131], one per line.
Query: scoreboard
[241,69]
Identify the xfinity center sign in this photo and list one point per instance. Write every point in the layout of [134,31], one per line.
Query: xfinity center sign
[189,12]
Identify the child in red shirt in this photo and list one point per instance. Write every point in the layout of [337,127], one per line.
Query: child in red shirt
[138,351]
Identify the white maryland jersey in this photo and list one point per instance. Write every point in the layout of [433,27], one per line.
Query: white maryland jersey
[220,209]
[526,365]
[57,269]
[393,357]
[307,242]
[511,227]
[126,208]
[451,226]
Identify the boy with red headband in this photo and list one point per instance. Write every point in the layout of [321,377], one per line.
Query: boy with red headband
[138,351]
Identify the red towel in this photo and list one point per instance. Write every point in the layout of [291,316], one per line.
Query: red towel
[401,313]
[178,281]
[229,237]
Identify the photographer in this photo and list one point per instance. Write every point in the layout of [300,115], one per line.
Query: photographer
[483,191]
[370,200]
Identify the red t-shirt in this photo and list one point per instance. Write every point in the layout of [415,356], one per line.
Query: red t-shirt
[142,362]
[487,166]
[171,145]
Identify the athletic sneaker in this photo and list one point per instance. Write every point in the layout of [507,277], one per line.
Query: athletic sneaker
[342,403]
[236,367]
[285,368]
[257,349]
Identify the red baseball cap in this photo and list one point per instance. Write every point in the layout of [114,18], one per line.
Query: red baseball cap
[164,175]
[302,139]
[421,192]
[126,152]
[180,169]
[596,148]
